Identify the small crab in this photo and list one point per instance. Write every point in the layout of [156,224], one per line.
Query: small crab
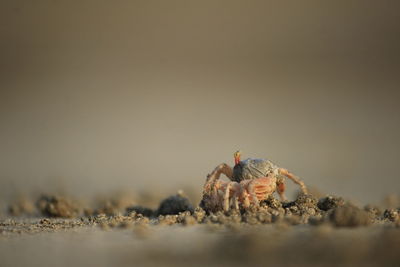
[252,180]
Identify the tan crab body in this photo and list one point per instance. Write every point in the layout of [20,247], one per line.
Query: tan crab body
[249,189]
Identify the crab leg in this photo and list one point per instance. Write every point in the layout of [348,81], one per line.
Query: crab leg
[236,198]
[213,177]
[231,186]
[244,196]
[281,190]
[226,197]
[294,178]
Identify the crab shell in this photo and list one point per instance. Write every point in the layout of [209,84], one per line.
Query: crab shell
[253,168]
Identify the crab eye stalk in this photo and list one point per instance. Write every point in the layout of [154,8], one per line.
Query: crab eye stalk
[236,156]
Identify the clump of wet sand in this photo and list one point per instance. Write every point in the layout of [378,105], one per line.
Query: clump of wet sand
[349,215]
[330,202]
[21,206]
[58,206]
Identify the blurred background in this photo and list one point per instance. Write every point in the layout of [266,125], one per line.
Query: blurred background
[152,95]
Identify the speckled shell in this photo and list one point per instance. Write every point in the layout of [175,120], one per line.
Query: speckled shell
[253,168]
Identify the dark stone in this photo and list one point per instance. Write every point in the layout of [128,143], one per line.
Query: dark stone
[175,205]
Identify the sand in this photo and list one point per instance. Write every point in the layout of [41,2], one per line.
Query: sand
[328,231]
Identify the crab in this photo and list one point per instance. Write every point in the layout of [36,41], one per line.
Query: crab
[251,181]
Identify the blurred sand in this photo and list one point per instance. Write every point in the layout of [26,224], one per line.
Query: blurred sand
[199,245]
[309,232]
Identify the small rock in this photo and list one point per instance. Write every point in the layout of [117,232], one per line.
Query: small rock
[391,214]
[199,214]
[330,202]
[273,203]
